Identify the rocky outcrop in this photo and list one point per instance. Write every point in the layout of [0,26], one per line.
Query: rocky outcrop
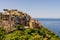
[11,17]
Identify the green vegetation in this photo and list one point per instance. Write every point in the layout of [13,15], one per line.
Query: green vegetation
[1,33]
[28,34]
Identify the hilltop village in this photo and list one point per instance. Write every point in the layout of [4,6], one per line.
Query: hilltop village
[16,25]
[10,18]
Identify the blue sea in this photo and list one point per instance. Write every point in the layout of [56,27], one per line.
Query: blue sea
[51,24]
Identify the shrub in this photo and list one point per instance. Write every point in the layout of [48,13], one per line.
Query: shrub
[2,31]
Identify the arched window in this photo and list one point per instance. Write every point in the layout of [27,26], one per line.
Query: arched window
[16,20]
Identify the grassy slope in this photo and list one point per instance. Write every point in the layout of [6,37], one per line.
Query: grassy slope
[28,34]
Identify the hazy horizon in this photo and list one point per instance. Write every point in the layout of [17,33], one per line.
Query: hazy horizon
[35,8]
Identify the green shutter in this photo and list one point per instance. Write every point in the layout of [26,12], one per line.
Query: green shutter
[0,16]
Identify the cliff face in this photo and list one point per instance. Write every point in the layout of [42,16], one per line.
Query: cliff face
[16,25]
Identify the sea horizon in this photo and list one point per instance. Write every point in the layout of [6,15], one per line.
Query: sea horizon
[53,19]
[51,24]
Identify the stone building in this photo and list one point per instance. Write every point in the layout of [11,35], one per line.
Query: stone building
[9,18]
[34,24]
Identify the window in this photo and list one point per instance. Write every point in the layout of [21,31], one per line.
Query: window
[5,17]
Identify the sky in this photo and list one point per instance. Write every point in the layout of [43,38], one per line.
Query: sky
[35,8]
